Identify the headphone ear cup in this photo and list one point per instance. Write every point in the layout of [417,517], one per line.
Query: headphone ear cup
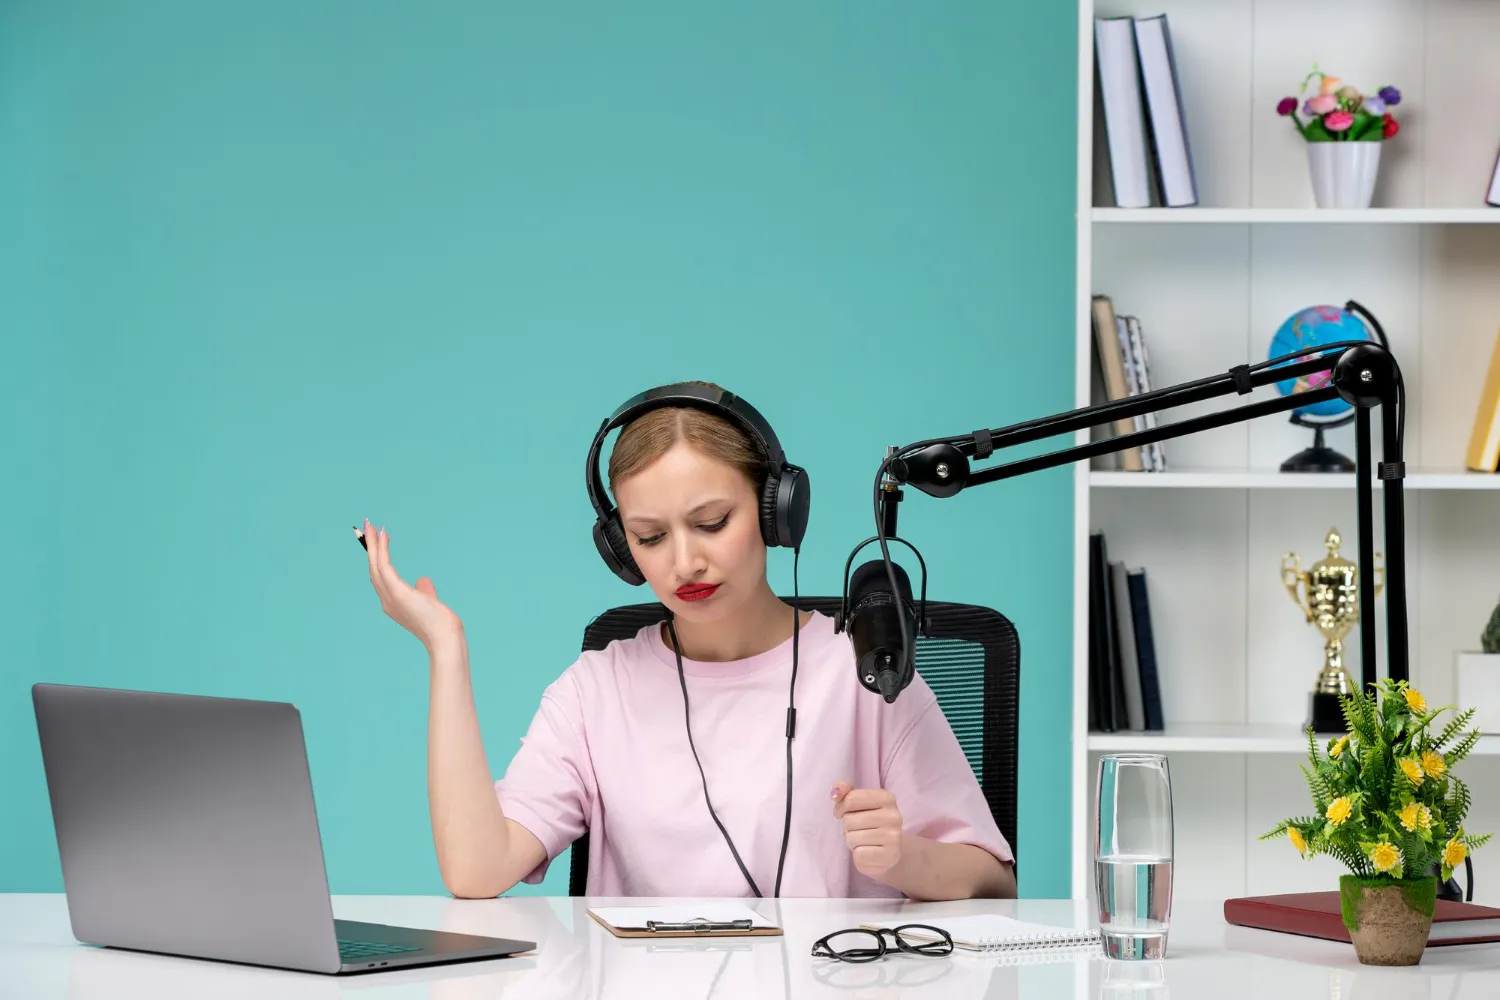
[770,494]
[788,505]
[609,539]
[783,507]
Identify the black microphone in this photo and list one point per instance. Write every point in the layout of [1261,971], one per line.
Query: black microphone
[884,664]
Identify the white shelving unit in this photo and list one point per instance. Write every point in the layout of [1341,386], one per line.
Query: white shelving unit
[1211,284]
[1296,216]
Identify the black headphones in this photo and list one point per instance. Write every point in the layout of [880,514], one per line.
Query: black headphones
[783,501]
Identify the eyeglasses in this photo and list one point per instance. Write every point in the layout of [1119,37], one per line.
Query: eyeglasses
[863,944]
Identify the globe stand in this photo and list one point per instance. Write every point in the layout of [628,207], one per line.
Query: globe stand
[1320,457]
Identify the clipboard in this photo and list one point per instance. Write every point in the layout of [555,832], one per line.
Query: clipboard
[683,921]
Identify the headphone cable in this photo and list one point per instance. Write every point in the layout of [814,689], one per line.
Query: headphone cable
[791,715]
[791,725]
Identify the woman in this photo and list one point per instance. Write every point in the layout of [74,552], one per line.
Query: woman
[633,741]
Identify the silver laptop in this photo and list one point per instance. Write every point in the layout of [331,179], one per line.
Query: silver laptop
[185,825]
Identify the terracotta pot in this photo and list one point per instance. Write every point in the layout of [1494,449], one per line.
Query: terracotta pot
[1388,919]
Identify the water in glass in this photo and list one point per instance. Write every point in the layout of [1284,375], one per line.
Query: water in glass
[1133,852]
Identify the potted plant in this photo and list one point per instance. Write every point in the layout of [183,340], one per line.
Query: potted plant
[1389,807]
[1344,131]
[1478,675]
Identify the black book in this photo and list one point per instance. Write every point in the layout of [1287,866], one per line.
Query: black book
[1098,717]
[1145,646]
[1104,665]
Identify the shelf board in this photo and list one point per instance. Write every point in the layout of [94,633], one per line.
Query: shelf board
[1435,479]
[1444,216]
[1229,738]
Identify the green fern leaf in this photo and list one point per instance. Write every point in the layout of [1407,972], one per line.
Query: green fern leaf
[1459,800]
[1462,747]
[1355,719]
[1452,729]
[1414,852]
[1321,793]
[1375,775]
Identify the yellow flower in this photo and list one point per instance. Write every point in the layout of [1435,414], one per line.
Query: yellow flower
[1385,857]
[1434,764]
[1298,841]
[1338,748]
[1415,816]
[1414,700]
[1411,769]
[1339,810]
[1454,853]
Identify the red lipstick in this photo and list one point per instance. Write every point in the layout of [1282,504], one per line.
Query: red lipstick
[696,591]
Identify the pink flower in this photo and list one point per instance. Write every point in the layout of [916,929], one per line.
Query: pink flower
[1322,104]
[1337,121]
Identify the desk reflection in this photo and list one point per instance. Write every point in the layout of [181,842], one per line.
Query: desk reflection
[574,958]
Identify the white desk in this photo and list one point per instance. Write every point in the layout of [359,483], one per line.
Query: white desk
[576,958]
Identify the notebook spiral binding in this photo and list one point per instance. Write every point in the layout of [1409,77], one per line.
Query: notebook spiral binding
[1037,947]
[1082,941]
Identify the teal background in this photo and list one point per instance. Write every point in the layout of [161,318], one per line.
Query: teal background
[268,269]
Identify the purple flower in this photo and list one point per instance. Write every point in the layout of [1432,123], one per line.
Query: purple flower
[1374,106]
[1390,95]
[1286,106]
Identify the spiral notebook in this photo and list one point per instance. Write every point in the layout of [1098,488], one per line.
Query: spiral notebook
[993,932]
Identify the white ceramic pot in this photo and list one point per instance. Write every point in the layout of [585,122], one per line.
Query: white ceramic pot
[1343,173]
[1476,677]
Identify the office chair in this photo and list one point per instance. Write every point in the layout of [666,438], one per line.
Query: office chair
[971,658]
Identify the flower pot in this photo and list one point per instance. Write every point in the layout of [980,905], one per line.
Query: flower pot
[1343,173]
[1388,919]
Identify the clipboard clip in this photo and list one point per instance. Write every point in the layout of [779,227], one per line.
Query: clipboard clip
[699,925]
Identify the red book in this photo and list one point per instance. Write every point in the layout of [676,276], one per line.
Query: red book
[1317,914]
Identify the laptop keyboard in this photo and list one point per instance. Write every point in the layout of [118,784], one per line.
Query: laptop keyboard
[355,950]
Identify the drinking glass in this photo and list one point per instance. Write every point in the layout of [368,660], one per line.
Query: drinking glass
[1133,854]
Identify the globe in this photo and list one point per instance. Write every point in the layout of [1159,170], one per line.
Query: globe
[1316,326]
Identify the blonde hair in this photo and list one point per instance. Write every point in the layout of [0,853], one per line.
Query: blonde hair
[652,435]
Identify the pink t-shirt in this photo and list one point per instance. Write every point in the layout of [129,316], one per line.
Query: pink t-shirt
[608,752]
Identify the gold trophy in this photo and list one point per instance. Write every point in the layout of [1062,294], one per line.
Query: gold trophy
[1328,593]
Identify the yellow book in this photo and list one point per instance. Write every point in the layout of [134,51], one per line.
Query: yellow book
[1484,441]
[1112,366]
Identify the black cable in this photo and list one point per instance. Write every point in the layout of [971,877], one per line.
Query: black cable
[687,720]
[791,716]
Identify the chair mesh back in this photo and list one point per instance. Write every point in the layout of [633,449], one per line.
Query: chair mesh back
[970,657]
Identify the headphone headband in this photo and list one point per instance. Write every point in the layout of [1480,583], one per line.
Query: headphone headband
[704,397]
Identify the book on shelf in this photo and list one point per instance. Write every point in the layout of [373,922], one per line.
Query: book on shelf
[1145,128]
[1138,379]
[1176,181]
[1124,368]
[1483,454]
[1317,914]
[1124,688]
[1110,359]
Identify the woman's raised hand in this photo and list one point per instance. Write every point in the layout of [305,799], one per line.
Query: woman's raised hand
[416,609]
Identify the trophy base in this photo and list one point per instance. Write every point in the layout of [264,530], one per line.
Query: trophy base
[1318,458]
[1327,714]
